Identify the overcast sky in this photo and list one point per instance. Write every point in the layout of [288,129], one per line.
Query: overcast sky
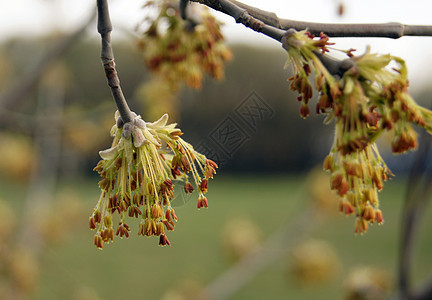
[33,17]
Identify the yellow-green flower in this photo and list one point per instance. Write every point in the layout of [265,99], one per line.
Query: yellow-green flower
[179,52]
[137,178]
[365,97]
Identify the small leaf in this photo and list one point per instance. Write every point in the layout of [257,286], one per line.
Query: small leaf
[140,123]
[109,153]
[159,123]
[127,130]
[138,137]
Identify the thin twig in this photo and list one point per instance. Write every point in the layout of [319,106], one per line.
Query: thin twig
[388,30]
[269,18]
[104,27]
[417,195]
[187,14]
[241,15]
[391,30]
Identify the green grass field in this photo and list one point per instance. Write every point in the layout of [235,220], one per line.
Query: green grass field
[138,268]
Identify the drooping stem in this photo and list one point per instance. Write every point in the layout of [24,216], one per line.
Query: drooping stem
[104,27]
[418,193]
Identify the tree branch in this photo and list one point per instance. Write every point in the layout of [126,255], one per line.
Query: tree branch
[389,30]
[269,18]
[104,27]
[241,15]
[425,291]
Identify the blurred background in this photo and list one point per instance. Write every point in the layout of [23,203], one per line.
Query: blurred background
[272,229]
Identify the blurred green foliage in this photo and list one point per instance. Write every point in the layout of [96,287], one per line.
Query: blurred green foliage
[139,269]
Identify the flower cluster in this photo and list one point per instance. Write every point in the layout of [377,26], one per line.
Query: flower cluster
[367,282]
[137,178]
[181,52]
[313,262]
[364,97]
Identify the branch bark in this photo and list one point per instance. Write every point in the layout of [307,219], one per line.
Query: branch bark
[241,15]
[388,30]
[419,188]
[104,27]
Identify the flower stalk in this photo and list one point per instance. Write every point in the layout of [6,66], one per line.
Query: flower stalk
[104,27]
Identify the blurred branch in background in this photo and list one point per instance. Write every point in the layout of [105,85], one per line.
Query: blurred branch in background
[38,202]
[14,96]
[418,194]
[273,249]
[425,291]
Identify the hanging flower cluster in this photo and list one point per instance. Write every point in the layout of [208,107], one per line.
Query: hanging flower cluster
[364,97]
[137,179]
[181,52]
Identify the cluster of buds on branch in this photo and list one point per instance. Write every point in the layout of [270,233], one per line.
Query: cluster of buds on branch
[138,176]
[365,97]
[181,51]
